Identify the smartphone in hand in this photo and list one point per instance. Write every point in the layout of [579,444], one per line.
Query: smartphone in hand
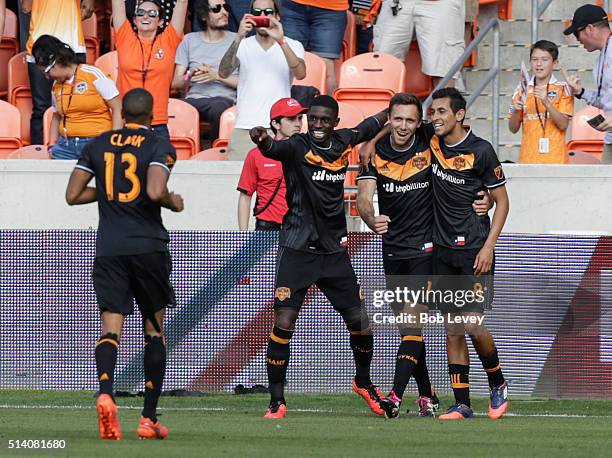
[597,120]
[260,21]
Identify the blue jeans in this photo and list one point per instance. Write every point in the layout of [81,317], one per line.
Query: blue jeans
[320,31]
[69,148]
[161,130]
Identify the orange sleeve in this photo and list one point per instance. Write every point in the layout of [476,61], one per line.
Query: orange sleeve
[566,104]
[124,34]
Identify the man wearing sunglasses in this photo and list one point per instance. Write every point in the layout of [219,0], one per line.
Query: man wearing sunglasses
[268,63]
[591,28]
[197,64]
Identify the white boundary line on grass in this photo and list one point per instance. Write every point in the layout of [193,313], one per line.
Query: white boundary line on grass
[223,409]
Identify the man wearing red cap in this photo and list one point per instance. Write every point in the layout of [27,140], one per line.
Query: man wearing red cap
[264,176]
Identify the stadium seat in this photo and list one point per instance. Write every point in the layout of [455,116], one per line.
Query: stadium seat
[109,64]
[19,93]
[580,157]
[30,152]
[10,129]
[417,82]
[316,73]
[90,33]
[8,48]
[349,42]
[47,125]
[583,137]
[184,127]
[211,154]
[226,125]
[370,80]
[349,115]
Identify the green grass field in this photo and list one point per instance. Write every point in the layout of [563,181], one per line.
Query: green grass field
[316,425]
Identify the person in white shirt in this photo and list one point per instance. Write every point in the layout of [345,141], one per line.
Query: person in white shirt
[268,62]
[591,28]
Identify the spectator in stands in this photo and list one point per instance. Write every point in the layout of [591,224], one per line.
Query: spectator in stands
[591,28]
[439,31]
[264,176]
[268,62]
[365,12]
[63,21]
[197,63]
[146,57]
[85,101]
[545,111]
[319,25]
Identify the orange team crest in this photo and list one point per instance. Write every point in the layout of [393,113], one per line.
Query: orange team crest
[459,163]
[282,293]
[499,172]
[419,161]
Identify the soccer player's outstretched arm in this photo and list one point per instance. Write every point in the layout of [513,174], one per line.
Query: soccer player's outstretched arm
[77,192]
[367,150]
[484,259]
[277,150]
[365,205]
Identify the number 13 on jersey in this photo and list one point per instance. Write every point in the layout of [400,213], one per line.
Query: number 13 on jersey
[130,175]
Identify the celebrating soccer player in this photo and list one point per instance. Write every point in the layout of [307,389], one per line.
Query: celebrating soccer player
[131,167]
[313,241]
[401,174]
[462,165]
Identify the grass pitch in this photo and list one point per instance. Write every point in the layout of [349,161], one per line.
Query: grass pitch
[316,425]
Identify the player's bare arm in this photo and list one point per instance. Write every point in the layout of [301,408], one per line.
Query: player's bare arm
[365,206]
[484,259]
[157,190]
[77,192]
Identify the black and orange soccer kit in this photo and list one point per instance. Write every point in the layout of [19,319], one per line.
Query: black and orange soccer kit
[459,172]
[405,195]
[132,258]
[313,238]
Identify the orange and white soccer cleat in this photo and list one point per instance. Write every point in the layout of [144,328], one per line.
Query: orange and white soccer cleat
[371,396]
[276,410]
[147,429]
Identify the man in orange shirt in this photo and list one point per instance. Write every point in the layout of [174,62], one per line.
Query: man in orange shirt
[319,25]
[146,57]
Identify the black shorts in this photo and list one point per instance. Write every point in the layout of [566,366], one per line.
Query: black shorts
[333,274]
[118,280]
[415,274]
[454,271]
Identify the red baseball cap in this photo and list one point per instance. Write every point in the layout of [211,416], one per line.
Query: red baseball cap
[286,107]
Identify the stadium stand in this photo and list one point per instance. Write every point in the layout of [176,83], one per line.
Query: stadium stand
[211,154]
[90,33]
[30,152]
[316,73]
[10,129]
[349,115]
[370,80]
[184,127]
[226,125]
[19,93]
[109,64]
[584,137]
[417,82]
[8,48]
